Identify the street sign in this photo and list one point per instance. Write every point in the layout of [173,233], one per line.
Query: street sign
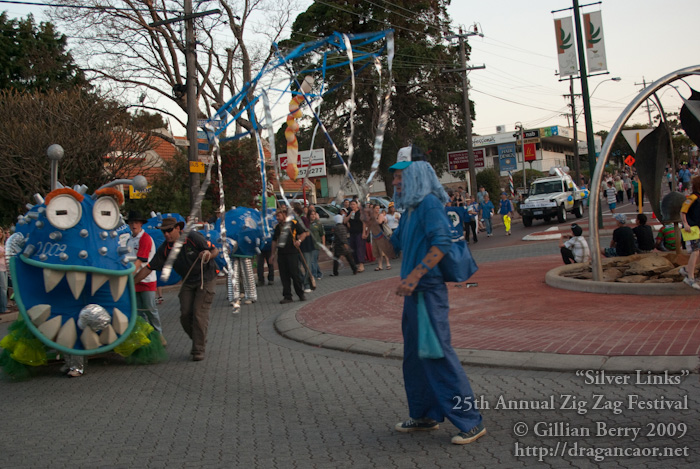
[136,194]
[197,167]
[634,136]
[629,161]
[318,163]
[459,160]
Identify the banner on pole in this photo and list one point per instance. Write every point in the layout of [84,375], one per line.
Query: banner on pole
[595,44]
[566,48]
[530,150]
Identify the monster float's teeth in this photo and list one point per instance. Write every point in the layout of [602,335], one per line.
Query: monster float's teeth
[51,278]
[97,281]
[67,335]
[76,282]
[119,321]
[107,336]
[90,339]
[50,328]
[39,314]
[117,286]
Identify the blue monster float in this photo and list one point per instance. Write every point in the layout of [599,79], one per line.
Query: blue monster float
[72,274]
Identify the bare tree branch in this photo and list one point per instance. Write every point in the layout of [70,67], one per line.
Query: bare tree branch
[122,52]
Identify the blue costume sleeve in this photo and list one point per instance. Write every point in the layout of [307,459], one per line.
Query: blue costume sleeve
[422,228]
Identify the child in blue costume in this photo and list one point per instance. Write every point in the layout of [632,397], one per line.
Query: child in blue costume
[424,237]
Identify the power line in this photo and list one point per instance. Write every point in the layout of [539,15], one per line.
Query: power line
[84,7]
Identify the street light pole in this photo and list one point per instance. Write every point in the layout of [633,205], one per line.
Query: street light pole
[519,126]
[577,163]
[583,72]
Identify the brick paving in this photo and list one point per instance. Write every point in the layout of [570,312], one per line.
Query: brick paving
[513,310]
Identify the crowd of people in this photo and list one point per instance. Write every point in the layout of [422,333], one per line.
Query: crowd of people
[477,214]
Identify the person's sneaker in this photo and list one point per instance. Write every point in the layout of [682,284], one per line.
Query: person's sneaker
[689,281]
[302,298]
[197,357]
[416,425]
[307,290]
[286,300]
[463,438]
[683,272]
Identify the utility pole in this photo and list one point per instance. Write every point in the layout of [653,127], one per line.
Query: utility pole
[644,84]
[465,90]
[191,87]
[191,62]
[577,163]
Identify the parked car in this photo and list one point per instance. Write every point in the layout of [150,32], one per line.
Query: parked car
[382,201]
[326,212]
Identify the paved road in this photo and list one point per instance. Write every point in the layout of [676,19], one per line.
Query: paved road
[260,400]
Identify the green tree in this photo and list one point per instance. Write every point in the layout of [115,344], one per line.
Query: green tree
[34,57]
[144,120]
[96,134]
[681,142]
[426,103]
[170,190]
[490,179]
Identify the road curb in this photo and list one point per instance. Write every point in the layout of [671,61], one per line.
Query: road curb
[287,325]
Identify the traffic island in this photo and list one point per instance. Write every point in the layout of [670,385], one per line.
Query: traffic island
[654,273]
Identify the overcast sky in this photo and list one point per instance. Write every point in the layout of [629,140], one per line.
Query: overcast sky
[644,41]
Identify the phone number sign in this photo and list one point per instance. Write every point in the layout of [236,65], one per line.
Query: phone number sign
[312,160]
[459,160]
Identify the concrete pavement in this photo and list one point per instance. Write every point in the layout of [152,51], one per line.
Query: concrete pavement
[261,400]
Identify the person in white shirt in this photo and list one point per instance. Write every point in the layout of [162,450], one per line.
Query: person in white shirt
[575,248]
[392,217]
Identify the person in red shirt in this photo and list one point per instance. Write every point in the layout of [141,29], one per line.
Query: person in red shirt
[142,244]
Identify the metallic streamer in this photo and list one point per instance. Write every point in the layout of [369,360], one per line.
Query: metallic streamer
[13,246]
[251,292]
[351,147]
[177,246]
[384,118]
[225,247]
[234,283]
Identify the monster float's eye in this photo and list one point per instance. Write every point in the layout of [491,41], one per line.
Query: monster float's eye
[63,211]
[106,213]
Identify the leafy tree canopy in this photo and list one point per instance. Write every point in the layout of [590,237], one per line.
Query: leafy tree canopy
[34,58]
[426,103]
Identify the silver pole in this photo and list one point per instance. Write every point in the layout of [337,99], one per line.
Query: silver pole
[594,240]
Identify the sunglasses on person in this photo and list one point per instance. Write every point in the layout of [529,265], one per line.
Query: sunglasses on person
[168,230]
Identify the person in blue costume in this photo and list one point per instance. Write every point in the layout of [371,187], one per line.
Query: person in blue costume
[432,385]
